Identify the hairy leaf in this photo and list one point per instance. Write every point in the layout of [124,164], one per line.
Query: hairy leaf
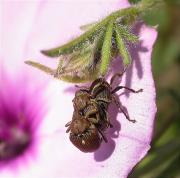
[122,48]
[106,49]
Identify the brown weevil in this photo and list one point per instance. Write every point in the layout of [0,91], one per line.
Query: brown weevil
[83,134]
[90,118]
[104,94]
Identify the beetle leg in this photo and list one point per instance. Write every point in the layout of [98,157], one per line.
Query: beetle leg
[108,120]
[103,136]
[130,89]
[68,129]
[83,88]
[126,115]
[68,124]
[122,110]
[117,75]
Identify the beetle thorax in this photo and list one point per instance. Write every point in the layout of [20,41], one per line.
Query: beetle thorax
[79,126]
[81,100]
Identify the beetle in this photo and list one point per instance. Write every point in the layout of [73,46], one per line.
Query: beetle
[84,134]
[84,105]
[101,94]
[104,94]
[90,118]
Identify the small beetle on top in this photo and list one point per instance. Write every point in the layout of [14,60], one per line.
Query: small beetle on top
[90,118]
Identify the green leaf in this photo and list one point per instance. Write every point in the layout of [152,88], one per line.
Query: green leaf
[77,67]
[78,43]
[122,47]
[41,67]
[127,35]
[67,77]
[75,64]
[81,66]
[88,26]
[79,79]
[124,16]
[89,36]
[88,56]
[106,49]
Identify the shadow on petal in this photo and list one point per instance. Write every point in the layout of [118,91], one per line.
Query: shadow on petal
[134,51]
[107,149]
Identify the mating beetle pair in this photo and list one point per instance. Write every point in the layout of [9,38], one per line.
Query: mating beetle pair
[90,118]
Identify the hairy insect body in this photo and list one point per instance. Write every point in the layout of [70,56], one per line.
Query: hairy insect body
[81,100]
[101,90]
[90,118]
[96,110]
[83,134]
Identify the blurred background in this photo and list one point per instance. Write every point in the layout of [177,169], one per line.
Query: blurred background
[163,160]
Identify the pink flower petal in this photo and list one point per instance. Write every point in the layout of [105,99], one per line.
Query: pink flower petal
[42,25]
[22,109]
